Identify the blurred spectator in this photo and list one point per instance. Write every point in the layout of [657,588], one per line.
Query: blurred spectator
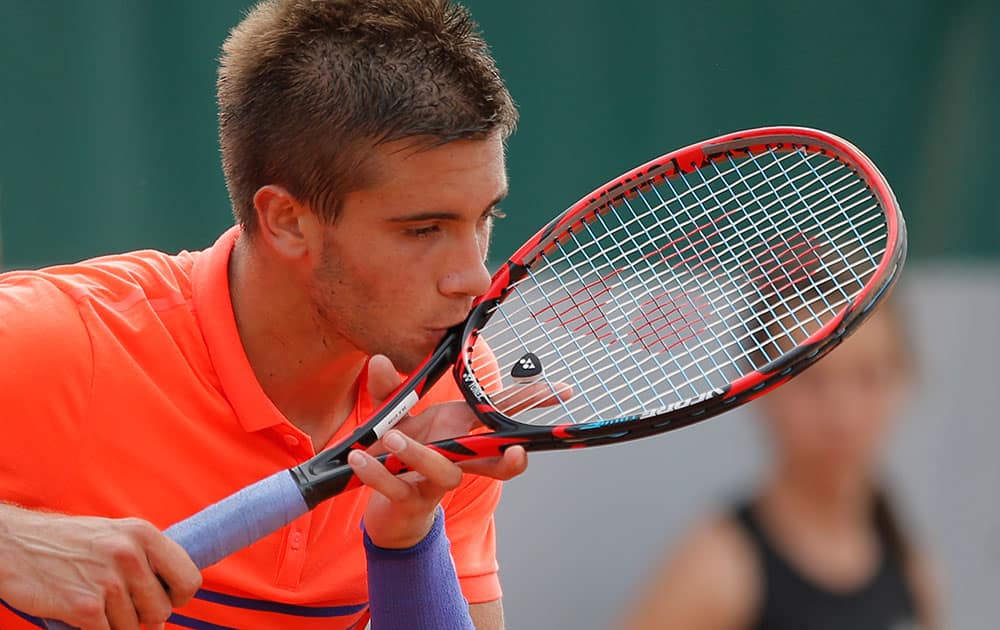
[817,546]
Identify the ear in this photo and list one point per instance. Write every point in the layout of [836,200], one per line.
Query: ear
[287,224]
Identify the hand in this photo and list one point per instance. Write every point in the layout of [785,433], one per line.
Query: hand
[401,510]
[92,573]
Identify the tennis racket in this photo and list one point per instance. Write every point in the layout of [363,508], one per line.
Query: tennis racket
[678,291]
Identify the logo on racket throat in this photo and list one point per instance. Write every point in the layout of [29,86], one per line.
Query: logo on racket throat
[473,386]
[528,368]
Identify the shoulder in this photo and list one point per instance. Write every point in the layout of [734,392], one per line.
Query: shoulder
[119,278]
[40,318]
[48,315]
[709,579]
[719,553]
[116,280]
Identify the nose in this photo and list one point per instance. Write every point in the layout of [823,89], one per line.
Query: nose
[466,274]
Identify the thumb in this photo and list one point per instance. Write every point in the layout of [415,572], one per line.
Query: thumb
[382,378]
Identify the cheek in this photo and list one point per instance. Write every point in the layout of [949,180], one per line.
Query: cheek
[881,414]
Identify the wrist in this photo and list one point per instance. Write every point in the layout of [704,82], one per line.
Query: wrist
[416,588]
[12,521]
[401,533]
[376,546]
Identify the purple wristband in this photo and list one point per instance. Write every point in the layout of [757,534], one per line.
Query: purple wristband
[416,588]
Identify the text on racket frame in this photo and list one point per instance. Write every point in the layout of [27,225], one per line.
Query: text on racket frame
[674,406]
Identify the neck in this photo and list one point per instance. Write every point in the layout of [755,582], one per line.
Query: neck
[310,376]
[831,503]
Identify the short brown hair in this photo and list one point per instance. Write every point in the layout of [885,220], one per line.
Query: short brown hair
[307,88]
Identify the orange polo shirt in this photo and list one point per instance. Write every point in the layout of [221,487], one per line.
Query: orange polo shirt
[125,391]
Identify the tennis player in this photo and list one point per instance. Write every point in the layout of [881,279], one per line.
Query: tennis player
[818,545]
[363,149]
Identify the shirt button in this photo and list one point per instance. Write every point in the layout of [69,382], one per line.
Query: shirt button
[291,440]
[296,541]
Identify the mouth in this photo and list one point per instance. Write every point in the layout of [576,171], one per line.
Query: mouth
[447,327]
[438,332]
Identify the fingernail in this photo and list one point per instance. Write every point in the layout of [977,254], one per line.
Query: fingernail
[356,458]
[394,441]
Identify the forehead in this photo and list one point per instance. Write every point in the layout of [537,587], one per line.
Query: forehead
[463,179]
[417,159]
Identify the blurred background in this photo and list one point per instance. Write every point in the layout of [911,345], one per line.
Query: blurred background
[108,143]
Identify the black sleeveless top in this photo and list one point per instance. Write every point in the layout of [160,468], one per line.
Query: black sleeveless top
[792,602]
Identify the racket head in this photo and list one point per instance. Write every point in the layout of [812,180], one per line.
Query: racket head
[687,286]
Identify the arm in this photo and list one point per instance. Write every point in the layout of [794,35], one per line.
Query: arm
[924,580]
[488,615]
[709,583]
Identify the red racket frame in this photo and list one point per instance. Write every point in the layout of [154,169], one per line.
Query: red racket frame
[744,389]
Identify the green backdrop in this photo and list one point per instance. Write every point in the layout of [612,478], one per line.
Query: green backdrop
[107,115]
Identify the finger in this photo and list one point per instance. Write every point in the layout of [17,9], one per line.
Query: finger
[520,397]
[119,608]
[382,378]
[512,463]
[437,470]
[171,563]
[440,422]
[152,604]
[374,475]
[94,615]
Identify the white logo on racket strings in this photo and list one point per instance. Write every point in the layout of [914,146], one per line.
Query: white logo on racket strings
[687,402]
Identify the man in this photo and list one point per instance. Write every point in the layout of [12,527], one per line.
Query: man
[363,149]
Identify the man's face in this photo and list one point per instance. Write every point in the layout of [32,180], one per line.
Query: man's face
[405,257]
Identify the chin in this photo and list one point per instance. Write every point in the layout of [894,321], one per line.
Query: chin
[406,355]
[405,362]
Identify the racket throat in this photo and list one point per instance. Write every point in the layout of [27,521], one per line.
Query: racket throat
[321,478]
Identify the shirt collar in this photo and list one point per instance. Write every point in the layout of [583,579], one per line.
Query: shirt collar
[214,311]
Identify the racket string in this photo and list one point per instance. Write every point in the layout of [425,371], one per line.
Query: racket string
[723,293]
[625,255]
[781,236]
[634,318]
[737,343]
[631,236]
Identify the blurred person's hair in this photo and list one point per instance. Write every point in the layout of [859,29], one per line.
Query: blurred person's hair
[307,88]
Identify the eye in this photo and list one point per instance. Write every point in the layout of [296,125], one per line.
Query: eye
[425,230]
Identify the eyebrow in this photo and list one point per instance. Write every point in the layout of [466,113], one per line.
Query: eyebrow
[444,216]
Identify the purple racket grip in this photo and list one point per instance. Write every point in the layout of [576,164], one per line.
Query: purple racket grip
[235,522]
[240,519]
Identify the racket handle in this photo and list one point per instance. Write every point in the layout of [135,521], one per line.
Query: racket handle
[235,522]
[239,520]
